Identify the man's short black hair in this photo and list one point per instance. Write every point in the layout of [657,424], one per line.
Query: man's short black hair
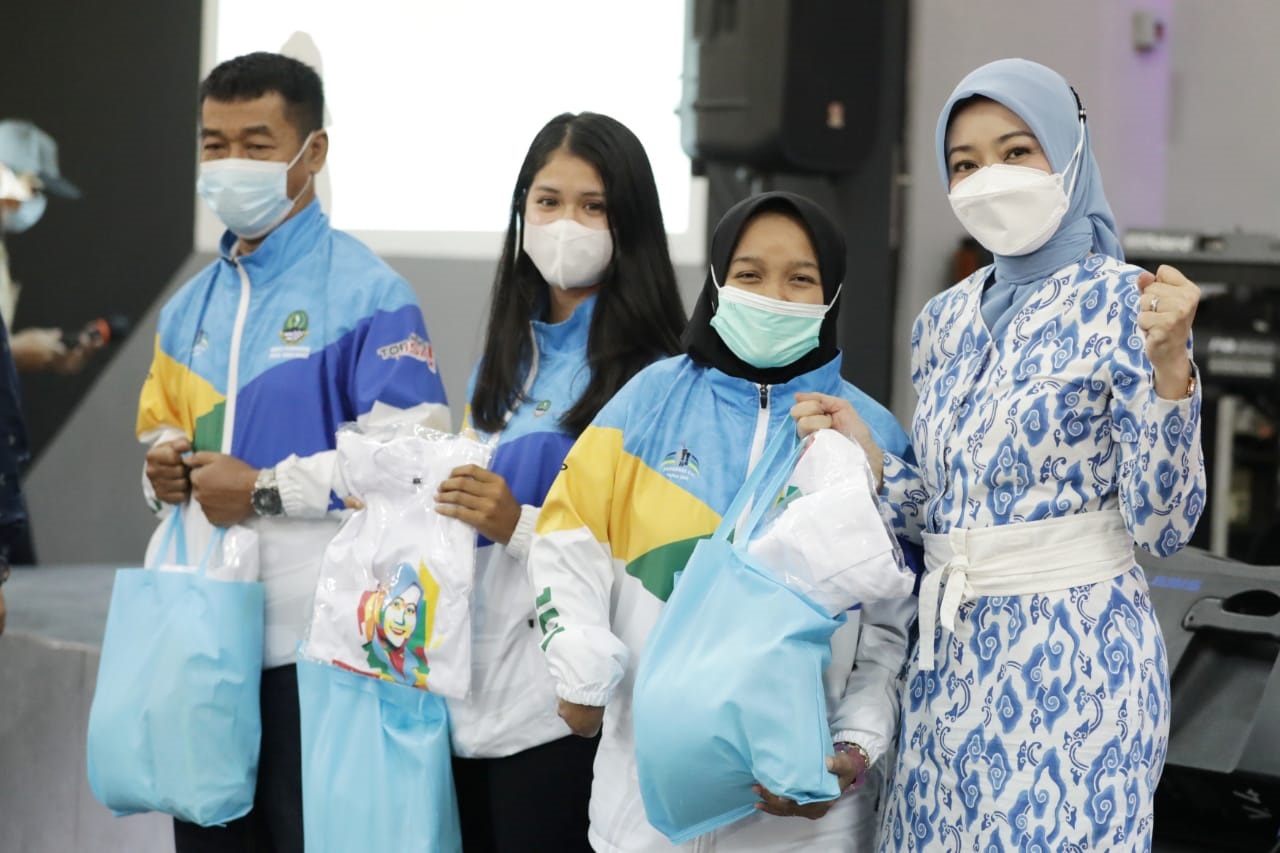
[253,75]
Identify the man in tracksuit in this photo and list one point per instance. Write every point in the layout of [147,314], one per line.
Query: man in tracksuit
[292,331]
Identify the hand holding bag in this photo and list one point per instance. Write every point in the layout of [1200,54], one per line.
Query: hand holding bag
[729,690]
[389,638]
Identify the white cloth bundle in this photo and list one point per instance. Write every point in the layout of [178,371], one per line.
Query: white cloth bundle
[393,598]
[827,539]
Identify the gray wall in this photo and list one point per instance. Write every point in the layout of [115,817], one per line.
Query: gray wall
[1085,40]
[1225,116]
[85,493]
[1184,135]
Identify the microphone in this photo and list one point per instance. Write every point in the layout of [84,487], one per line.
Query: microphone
[105,330]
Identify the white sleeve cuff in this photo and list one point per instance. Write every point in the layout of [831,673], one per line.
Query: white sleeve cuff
[161,434]
[595,698]
[305,483]
[587,663]
[875,745]
[522,536]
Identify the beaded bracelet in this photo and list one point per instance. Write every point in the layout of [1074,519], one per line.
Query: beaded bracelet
[845,746]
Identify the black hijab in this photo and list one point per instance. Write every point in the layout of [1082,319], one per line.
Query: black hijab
[703,343]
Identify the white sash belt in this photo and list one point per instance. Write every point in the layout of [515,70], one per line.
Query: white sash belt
[1017,559]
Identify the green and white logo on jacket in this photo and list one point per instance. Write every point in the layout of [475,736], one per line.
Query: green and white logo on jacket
[295,327]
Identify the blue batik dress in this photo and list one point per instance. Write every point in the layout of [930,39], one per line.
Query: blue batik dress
[1045,722]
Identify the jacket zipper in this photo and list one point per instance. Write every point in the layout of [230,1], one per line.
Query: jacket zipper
[233,364]
[762,429]
[757,442]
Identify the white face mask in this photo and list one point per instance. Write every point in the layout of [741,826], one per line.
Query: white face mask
[1014,210]
[568,253]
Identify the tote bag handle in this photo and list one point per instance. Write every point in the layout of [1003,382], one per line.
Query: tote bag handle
[175,536]
[766,480]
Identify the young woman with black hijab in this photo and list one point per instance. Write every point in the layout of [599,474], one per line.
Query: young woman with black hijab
[652,475]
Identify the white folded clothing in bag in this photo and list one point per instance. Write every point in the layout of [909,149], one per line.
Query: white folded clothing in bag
[393,598]
[827,538]
[234,559]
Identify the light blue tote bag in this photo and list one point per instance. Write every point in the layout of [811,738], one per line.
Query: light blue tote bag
[729,688]
[377,768]
[175,722]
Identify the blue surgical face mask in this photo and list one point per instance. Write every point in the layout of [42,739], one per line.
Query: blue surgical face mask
[27,214]
[766,332]
[251,197]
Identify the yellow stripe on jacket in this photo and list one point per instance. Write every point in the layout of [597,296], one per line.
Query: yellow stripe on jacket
[168,381]
[648,521]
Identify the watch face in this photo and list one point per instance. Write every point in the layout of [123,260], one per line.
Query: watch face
[267,502]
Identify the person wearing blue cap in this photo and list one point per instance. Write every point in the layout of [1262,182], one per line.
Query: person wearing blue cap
[29,174]
[1058,425]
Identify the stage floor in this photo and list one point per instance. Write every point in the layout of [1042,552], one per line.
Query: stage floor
[48,668]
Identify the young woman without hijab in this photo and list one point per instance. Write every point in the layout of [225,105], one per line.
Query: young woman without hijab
[652,475]
[585,297]
[1058,423]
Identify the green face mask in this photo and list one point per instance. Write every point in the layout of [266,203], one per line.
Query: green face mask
[766,332]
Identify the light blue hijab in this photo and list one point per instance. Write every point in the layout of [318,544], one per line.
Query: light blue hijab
[1044,100]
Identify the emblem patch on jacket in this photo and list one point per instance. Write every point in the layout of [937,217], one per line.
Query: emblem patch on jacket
[295,327]
[680,464]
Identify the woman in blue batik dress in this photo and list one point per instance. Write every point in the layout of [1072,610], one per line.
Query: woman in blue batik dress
[1058,424]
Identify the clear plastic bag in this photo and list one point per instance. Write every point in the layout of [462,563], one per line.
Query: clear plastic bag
[393,598]
[826,538]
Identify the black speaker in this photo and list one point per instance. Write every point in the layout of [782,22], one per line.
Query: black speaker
[1221,624]
[782,85]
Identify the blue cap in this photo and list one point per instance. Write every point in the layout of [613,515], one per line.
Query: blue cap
[26,149]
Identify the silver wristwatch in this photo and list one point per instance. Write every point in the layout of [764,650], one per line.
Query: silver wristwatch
[266,494]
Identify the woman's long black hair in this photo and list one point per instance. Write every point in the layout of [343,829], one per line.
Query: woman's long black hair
[638,314]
